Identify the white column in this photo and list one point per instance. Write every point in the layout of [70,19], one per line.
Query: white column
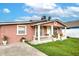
[52,29]
[58,36]
[65,32]
[34,35]
[38,32]
[47,30]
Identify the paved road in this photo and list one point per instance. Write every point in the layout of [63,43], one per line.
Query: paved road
[19,49]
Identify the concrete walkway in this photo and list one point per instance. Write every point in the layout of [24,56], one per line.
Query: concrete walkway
[20,49]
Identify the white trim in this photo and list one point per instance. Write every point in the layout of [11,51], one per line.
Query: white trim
[58,36]
[18,29]
[65,32]
[38,32]
[34,35]
[52,29]
[35,31]
[47,30]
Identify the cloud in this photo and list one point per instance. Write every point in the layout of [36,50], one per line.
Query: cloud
[42,6]
[74,15]
[28,10]
[47,7]
[6,10]
[56,18]
[46,4]
[74,9]
[25,18]
[57,12]
[65,12]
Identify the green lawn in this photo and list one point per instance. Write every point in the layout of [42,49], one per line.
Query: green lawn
[68,47]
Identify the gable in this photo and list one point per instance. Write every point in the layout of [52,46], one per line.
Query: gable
[58,24]
[55,23]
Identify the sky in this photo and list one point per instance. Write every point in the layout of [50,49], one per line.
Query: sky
[36,9]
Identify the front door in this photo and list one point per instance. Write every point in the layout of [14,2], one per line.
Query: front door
[55,32]
[49,30]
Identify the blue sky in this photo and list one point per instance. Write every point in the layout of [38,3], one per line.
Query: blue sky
[34,10]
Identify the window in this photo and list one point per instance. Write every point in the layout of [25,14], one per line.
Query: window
[21,29]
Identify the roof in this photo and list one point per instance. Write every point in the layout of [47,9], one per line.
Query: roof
[30,22]
[72,24]
[21,22]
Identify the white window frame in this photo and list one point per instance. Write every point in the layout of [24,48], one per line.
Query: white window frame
[24,29]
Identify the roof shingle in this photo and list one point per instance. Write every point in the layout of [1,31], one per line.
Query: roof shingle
[72,24]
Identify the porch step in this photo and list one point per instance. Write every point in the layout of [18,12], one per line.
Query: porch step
[45,40]
[40,42]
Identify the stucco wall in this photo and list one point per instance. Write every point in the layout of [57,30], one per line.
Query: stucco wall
[73,32]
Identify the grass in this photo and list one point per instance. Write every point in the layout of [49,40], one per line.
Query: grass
[68,47]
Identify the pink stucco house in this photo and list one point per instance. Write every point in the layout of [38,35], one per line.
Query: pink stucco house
[34,31]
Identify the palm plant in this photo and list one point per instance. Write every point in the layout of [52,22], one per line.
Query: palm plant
[5,40]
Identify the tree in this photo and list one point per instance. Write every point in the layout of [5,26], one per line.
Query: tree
[43,18]
[49,18]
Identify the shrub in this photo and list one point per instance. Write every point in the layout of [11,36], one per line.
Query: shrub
[61,35]
[23,39]
[68,37]
[5,38]
[55,36]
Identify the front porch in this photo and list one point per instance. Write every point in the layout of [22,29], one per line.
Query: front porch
[46,33]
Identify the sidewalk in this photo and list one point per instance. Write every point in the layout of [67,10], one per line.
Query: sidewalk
[20,49]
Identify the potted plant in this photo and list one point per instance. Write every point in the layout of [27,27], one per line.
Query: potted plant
[61,35]
[53,36]
[23,39]
[5,40]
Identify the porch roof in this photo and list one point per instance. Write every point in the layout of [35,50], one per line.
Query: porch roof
[44,23]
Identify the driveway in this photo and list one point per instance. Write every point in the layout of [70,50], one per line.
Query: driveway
[19,49]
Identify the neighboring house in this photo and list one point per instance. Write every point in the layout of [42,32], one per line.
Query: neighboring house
[72,29]
[33,31]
